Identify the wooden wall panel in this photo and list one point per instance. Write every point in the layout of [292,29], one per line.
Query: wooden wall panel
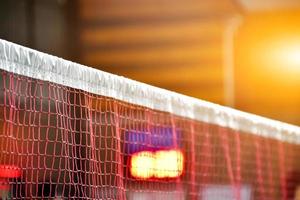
[175,45]
[153,9]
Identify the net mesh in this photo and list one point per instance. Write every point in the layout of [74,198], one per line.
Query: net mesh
[59,142]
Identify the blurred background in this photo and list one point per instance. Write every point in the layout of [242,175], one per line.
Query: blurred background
[240,53]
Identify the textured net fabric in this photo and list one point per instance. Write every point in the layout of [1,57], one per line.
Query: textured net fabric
[59,142]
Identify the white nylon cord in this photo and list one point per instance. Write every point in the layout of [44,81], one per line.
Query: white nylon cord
[31,63]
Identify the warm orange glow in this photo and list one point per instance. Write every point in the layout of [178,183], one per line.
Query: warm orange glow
[282,56]
[294,56]
[267,64]
[159,164]
[291,56]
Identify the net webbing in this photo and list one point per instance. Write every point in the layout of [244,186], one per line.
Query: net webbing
[105,139]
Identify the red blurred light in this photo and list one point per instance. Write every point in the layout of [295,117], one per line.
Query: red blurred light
[9,171]
[158,164]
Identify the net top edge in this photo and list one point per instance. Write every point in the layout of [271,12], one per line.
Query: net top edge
[31,63]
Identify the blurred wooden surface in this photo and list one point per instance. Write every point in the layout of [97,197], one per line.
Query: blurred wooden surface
[175,45]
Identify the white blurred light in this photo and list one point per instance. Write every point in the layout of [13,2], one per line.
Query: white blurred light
[293,56]
[158,164]
[282,58]
[142,165]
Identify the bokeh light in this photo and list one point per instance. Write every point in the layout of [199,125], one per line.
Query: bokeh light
[159,164]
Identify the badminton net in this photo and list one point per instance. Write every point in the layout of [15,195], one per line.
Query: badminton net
[72,132]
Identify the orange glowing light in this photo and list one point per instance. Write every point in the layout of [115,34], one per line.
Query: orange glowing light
[159,164]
